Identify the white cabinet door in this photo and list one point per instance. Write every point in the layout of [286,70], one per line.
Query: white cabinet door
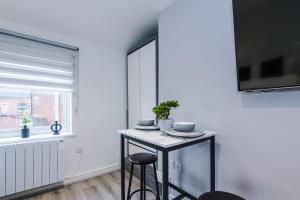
[134,106]
[141,87]
[148,80]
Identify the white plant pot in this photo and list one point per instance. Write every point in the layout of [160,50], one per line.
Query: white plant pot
[165,124]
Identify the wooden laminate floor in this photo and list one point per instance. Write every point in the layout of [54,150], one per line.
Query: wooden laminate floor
[104,187]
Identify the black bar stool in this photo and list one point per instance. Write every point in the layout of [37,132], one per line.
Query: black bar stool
[143,159]
[219,196]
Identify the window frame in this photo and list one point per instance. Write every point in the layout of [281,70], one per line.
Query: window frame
[44,130]
[71,107]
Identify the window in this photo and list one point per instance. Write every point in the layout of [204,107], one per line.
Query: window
[44,107]
[37,77]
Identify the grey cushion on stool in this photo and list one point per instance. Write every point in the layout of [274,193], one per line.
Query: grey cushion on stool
[142,158]
[219,196]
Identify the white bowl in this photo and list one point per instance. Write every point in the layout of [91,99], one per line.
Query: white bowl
[184,126]
[146,122]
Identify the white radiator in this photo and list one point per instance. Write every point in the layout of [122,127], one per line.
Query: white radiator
[30,165]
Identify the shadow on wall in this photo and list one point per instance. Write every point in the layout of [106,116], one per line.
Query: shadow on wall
[288,98]
[238,177]
[186,179]
[201,183]
[187,174]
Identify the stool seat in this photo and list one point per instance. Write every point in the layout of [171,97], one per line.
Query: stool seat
[142,158]
[219,196]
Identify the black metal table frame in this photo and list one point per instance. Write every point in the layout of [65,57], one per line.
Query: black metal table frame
[165,165]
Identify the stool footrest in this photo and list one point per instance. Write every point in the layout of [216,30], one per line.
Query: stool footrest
[146,190]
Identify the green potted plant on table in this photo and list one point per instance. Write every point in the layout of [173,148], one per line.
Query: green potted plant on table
[26,120]
[162,112]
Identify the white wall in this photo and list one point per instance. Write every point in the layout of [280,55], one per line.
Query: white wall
[102,103]
[258,140]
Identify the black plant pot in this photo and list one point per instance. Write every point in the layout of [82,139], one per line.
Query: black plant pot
[25,132]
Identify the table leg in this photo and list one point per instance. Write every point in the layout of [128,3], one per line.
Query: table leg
[212,164]
[165,175]
[122,167]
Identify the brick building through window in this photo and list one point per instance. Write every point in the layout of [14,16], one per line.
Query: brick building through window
[43,107]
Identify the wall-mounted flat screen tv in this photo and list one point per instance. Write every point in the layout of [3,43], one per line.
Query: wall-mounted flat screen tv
[267,34]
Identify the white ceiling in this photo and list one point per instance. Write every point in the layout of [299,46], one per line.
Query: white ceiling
[119,23]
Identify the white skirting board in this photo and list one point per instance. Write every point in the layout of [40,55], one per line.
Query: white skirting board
[91,173]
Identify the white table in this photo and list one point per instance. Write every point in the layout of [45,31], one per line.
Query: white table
[165,144]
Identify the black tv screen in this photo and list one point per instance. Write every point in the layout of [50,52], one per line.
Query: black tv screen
[267,34]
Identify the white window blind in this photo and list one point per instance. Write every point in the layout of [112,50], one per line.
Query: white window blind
[36,63]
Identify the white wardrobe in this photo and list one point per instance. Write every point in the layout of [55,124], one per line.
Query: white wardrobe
[142,83]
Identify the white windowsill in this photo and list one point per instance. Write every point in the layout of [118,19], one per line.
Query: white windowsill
[42,137]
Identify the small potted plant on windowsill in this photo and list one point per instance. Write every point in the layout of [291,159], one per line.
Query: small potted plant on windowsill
[26,120]
[162,112]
